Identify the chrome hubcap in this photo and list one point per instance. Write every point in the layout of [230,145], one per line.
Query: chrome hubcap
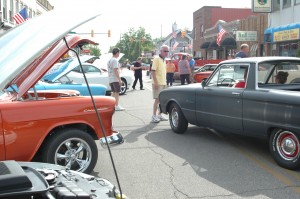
[287,145]
[74,154]
[123,87]
[174,117]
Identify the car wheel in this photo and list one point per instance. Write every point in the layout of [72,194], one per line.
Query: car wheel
[177,120]
[123,87]
[284,147]
[72,148]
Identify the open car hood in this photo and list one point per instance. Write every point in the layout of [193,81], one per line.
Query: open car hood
[30,49]
[65,68]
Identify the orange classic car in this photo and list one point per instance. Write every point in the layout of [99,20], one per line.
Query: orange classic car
[53,126]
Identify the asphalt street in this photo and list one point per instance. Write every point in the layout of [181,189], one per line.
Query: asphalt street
[155,163]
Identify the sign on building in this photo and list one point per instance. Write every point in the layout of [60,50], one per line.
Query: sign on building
[286,35]
[262,6]
[246,36]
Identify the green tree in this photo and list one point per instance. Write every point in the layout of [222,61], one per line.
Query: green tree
[94,50]
[134,42]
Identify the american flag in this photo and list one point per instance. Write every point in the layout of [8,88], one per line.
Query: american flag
[220,34]
[175,45]
[21,16]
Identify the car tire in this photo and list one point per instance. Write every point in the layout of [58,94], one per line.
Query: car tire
[123,87]
[284,147]
[177,120]
[74,146]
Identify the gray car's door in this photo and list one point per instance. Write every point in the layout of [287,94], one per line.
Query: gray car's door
[219,103]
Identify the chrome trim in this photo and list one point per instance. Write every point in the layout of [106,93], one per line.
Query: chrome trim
[115,138]
[93,110]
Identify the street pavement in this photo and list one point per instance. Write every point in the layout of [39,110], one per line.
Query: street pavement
[155,163]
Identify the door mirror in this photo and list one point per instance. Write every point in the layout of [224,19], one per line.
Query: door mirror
[203,83]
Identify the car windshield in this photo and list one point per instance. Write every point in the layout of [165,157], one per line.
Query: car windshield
[228,74]
[279,72]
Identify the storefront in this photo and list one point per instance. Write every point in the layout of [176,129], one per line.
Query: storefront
[283,40]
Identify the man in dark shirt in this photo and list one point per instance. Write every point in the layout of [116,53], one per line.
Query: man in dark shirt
[243,52]
[137,67]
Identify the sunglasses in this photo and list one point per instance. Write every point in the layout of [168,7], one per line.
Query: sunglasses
[166,51]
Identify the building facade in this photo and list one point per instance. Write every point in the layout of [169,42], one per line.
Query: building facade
[282,37]
[207,17]
[10,7]
[249,30]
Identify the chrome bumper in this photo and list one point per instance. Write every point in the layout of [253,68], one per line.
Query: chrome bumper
[115,138]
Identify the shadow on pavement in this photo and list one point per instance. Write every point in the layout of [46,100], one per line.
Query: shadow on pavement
[132,137]
[222,160]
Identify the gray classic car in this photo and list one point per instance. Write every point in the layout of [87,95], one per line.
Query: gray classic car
[256,97]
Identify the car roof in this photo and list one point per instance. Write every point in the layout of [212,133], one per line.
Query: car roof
[260,59]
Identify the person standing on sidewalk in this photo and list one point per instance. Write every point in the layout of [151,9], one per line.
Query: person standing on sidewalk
[184,70]
[159,81]
[115,81]
[170,73]
[138,75]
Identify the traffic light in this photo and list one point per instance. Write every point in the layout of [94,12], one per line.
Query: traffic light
[131,39]
[183,33]
[143,39]
[92,33]
[108,33]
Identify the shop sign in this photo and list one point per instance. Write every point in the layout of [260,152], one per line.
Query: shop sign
[246,36]
[286,35]
[262,6]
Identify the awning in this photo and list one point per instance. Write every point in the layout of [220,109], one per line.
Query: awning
[213,44]
[205,45]
[269,32]
[229,42]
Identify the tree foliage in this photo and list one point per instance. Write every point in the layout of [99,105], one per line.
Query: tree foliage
[134,42]
[94,50]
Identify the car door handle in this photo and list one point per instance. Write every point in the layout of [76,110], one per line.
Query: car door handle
[236,93]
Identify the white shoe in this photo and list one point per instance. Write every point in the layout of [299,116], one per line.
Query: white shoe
[119,108]
[155,119]
[162,118]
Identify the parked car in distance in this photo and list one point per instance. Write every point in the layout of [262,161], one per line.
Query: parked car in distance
[256,97]
[204,72]
[52,126]
[70,71]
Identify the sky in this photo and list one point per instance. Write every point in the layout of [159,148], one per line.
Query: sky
[156,16]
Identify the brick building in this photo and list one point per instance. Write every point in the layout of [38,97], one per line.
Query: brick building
[208,16]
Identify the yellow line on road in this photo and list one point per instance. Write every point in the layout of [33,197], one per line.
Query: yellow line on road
[273,172]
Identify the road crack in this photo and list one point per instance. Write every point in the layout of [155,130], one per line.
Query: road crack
[171,170]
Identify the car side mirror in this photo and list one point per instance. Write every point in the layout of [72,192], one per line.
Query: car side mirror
[203,83]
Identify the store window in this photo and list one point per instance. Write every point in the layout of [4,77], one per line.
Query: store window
[11,9]
[276,5]
[288,49]
[17,7]
[286,3]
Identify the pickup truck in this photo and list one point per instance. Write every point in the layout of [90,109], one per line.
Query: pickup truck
[256,97]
